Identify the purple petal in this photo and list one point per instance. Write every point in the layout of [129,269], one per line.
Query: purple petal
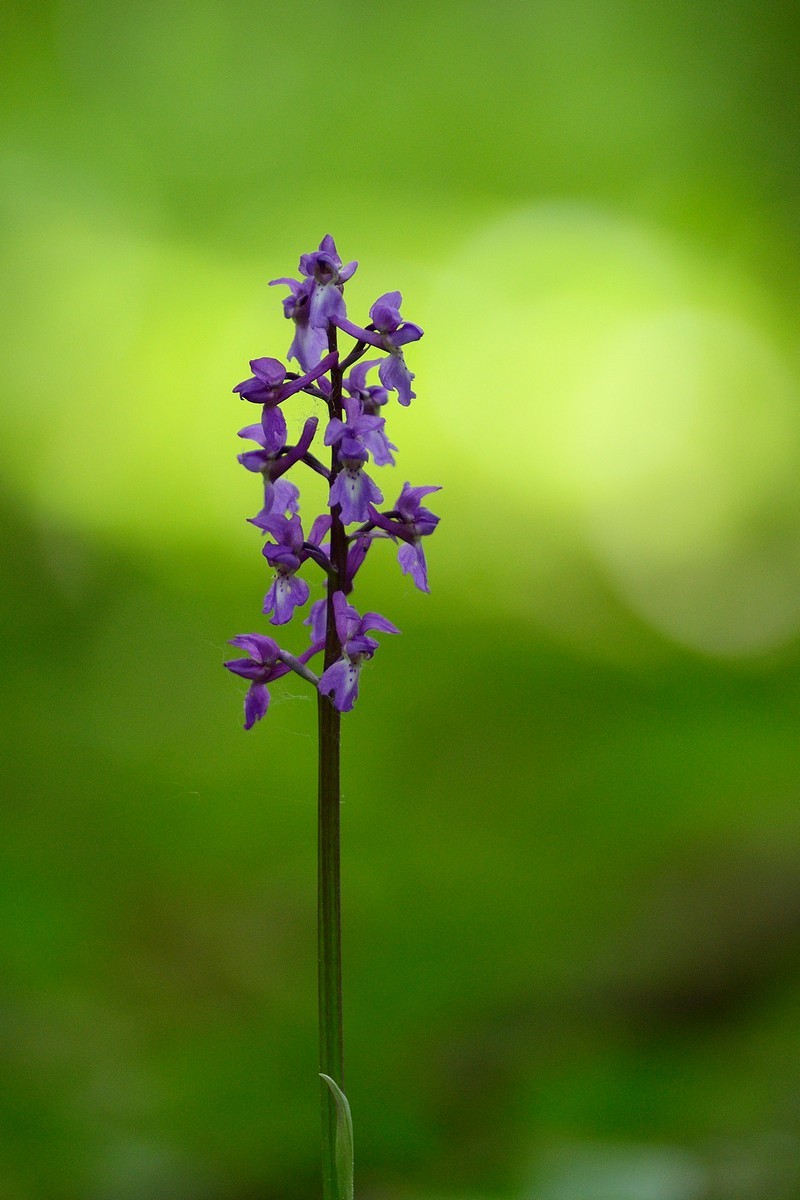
[327,303]
[248,668]
[408,333]
[354,491]
[294,284]
[357,379]
[307,345]
[355,557]
[373,620]
[411,557]
[395,375]
[273,422]
[340,682]
[256,703]
[261,647]
[270,370]
[317,619]
[385,312]
[254,433]
[334,431]
[254,460]
[286,594]
[344,615]
[319,529]
[380,448]
[278,498]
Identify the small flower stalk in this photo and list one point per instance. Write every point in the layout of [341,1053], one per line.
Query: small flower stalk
[345,410]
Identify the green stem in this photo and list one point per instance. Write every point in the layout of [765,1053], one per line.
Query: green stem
[329,937]
[329,919]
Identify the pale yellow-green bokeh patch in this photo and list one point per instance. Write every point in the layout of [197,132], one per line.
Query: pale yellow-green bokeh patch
[620,399]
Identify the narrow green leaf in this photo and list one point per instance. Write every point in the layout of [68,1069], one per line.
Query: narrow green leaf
[344,1140]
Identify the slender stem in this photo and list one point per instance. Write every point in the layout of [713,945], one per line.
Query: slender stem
[329,920]
[329,937]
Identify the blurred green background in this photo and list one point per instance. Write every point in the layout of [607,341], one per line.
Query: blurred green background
[571,821]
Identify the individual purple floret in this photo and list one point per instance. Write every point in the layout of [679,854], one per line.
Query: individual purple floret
[340,681]
[324,266]
[289,553]
[353,434]
[273,460]
[391,333]
[310,341]
[353,489]
[261,668]
[409,521]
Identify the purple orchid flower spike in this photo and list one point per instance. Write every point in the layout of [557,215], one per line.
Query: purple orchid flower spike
[409,521]
[273,460]
[288,554]
[263,666]
[389,333]
[340,681]
[324,267]
[310,341]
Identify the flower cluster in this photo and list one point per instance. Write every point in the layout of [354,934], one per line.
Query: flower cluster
[355,433]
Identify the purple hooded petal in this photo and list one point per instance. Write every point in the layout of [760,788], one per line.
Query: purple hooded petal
[270,371]
[340,682]
[256,703]
[385,312]
[264,649]
[411,557]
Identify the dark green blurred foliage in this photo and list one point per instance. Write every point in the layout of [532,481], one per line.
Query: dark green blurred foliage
[571,822]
